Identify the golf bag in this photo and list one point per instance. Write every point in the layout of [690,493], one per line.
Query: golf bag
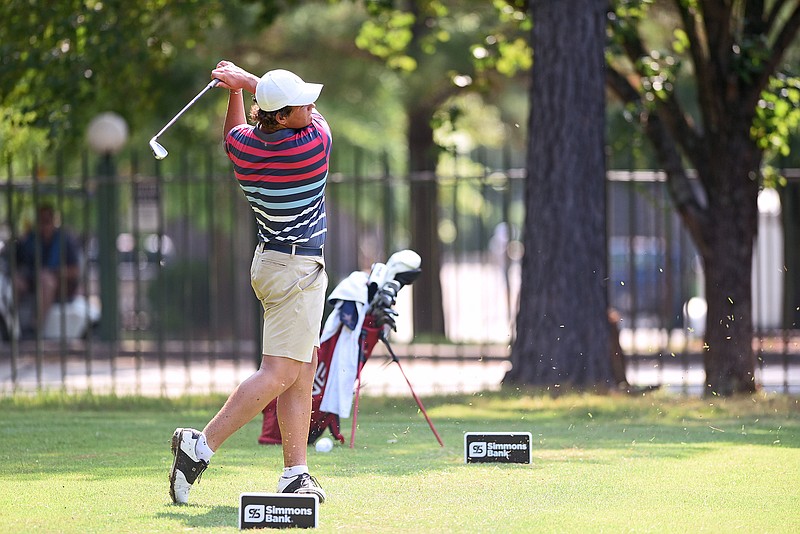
[362,309]
[320,420]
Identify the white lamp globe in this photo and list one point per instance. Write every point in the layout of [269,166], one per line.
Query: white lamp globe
[107,133]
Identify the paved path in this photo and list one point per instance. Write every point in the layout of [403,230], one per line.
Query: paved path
[128,376]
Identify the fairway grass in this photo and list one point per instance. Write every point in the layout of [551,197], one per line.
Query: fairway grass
[652,463]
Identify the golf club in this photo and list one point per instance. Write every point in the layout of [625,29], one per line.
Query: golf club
[396,360]
[403,266]
[361,361]
[159,152]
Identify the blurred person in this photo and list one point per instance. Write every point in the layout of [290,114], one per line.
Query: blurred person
[57,276]
[281,164]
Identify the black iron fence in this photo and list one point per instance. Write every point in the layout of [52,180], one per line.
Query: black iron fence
[165,307]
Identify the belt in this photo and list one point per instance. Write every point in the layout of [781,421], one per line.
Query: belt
[291,249]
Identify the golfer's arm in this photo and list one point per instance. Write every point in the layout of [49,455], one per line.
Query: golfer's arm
[236,113]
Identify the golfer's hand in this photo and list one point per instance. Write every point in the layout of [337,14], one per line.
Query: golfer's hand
[234,77]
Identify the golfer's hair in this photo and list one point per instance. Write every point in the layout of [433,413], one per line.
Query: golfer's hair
[268,120]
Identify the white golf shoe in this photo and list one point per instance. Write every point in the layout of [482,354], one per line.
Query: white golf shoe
[186,466]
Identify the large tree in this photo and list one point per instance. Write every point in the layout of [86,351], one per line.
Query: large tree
[562,331]
[727,55]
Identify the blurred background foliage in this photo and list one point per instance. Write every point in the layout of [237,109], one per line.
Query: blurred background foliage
[63,63]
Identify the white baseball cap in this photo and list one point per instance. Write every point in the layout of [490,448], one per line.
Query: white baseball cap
[280,88]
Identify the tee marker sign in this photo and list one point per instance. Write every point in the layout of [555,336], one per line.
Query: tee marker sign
[277,510]
[503,447]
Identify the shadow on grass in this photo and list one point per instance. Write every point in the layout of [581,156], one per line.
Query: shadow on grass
[211,516]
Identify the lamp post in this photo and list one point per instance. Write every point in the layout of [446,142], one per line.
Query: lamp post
[107,134]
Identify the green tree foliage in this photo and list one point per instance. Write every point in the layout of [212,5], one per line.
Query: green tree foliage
[64,62]
[360,98]
[455,59]
[61,61]
[476,38]
[777,115]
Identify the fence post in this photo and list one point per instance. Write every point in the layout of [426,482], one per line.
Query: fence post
[107,134]
[108,208]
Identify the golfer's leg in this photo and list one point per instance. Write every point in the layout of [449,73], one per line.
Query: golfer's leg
[251,396]
[294,415]
[48,285]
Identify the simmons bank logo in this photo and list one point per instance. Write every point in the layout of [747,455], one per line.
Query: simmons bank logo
[477,449]
[511,447]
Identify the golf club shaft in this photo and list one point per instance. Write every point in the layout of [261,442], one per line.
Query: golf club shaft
[355,406]
[211,84]
[421,407]
[410,387]
[362,337]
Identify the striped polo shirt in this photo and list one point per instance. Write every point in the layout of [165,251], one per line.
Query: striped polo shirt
[283,176]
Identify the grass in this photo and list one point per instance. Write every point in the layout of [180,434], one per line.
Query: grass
[654,463]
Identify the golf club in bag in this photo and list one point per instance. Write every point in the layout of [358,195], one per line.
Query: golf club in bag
[363,313]
[159,152]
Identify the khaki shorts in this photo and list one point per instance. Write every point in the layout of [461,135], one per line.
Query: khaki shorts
[291,289]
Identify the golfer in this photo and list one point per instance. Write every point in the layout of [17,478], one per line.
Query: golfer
[281,163]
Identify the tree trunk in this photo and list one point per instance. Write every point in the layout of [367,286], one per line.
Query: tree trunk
[562,327]
[428,311]
[727,260]
[729,359]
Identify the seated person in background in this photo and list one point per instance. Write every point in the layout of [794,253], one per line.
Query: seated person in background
[53,272]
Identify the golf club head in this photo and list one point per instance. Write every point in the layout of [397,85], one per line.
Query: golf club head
[406,278]
[403,266]
[391,288]
[159,152]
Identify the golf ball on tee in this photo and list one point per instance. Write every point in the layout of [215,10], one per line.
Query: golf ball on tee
[324,445]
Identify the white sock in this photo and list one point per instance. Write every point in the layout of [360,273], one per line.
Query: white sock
[202,450]
[289,472]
